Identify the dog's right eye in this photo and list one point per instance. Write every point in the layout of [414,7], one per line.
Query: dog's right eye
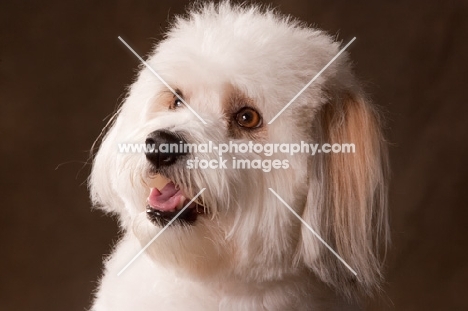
[177,103]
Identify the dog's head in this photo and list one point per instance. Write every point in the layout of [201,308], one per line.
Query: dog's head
[237,68]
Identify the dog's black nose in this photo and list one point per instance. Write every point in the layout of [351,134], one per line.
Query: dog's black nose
[164,148]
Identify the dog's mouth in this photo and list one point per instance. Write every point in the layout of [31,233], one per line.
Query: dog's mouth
[167,201]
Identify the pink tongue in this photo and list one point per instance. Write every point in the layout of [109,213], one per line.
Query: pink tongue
[165,200]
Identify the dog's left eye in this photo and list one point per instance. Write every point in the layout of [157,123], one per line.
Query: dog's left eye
[248,117]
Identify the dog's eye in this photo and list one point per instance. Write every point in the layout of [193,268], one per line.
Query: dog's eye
[176,104]
[248,117]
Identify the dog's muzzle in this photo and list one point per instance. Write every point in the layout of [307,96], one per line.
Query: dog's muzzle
[167,156]
[165,202]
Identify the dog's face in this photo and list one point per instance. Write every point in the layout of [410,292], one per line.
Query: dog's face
[236,69]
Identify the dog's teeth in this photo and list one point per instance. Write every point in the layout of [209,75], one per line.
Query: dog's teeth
[158,182]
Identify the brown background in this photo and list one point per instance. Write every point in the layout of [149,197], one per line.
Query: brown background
[62,71]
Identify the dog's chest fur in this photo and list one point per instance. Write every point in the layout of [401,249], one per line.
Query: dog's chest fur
[146,286]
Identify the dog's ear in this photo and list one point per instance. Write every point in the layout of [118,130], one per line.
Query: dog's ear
[347,196]
[103,176]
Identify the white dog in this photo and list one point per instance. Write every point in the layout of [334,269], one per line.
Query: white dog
[238,246]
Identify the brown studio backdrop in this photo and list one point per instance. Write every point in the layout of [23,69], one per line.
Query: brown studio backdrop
[63,70]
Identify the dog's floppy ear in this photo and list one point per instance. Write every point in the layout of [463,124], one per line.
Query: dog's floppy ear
[347,200]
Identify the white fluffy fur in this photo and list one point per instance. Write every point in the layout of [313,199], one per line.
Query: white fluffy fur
[250,252]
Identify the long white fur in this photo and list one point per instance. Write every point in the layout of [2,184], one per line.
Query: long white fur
[250,252]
